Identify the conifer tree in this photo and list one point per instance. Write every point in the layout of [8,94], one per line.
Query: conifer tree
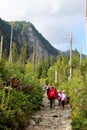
[14,53]
[24,53]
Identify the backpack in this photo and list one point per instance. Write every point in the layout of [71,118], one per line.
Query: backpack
[52,93]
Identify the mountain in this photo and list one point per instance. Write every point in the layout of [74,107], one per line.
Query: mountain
[25,32]
[67,53]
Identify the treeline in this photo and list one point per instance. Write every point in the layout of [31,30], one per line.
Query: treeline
[76,88]
[16,107]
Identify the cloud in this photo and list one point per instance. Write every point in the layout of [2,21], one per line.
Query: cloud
[54,19]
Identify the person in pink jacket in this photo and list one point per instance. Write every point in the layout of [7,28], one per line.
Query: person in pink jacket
[63,99]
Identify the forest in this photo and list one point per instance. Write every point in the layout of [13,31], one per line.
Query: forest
[17,105]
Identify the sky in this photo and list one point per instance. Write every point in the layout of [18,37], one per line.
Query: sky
[54,19]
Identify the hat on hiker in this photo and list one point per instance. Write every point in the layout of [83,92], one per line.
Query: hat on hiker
[63,91]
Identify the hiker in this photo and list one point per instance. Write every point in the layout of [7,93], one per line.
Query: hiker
[52,95]
[46,88]
[59,97]
[63,99]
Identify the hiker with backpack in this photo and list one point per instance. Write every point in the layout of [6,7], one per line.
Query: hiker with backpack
[52,95]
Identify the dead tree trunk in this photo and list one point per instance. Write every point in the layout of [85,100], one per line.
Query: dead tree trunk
[10,53]
[86,19]
[1,44]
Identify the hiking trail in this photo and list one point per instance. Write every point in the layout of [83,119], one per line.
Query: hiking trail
[51,119]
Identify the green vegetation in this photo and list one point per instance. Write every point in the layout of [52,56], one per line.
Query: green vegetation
[18,104]
[76,88]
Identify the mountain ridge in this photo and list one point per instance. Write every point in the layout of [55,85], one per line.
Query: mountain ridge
[26,32]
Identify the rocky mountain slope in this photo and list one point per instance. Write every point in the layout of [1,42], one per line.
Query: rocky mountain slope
[25,32]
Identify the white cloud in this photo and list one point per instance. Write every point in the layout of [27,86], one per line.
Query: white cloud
[54,6]
[54,19]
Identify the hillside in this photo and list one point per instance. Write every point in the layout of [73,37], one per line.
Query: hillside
[26,32]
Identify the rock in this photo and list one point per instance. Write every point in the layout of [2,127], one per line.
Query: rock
[67,115]
[37,118]
[51,119]
[32,122]
[69,127]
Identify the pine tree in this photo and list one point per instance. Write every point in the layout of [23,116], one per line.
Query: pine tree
[14,53]
[24,53]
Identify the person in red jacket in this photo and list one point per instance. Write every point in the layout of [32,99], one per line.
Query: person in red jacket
[52,95]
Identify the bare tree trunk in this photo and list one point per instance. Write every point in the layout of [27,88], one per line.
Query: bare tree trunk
[86,20]
[1,44]
[10,53]
[56,76]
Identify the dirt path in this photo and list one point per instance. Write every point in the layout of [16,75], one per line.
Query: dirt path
[48,119]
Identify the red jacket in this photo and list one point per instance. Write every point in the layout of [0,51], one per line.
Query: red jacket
[52,93]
